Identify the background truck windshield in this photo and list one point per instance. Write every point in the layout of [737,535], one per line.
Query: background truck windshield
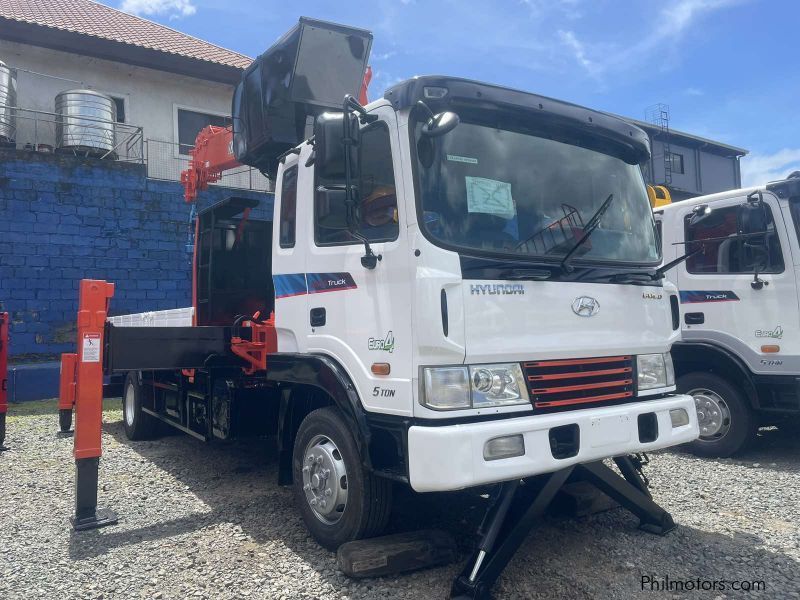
[495,190]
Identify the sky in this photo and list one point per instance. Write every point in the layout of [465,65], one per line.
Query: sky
[727,69]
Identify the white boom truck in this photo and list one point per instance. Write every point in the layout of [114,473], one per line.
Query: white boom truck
[740,354]
[465,292]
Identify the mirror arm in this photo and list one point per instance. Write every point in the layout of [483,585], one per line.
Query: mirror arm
[369,260]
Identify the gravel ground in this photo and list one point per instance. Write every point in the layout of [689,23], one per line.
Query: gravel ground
[203,521]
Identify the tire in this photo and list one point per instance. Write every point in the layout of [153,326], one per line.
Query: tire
[725,412]
[138,424]
[359,505]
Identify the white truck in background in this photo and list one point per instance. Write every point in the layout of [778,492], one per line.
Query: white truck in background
[740,353]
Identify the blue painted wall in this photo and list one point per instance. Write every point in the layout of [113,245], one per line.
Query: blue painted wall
[64,218]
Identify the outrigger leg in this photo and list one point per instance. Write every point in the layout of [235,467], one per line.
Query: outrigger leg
[3,377]
[92,310]
[514,512]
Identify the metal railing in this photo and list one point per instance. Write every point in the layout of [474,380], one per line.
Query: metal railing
[165,161]
[84,136]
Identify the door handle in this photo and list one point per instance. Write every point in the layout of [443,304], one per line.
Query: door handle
[695,318]
[318,317]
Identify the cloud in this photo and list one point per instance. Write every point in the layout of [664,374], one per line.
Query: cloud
[382,56]
[693,91]
[761,168]
[569,39]
[174,9]
[673,21]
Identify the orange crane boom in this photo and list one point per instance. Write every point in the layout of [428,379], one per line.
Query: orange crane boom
[212,154]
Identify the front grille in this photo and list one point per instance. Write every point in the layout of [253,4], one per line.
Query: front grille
[555,384]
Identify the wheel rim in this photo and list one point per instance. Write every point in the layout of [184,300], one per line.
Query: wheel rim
[713,414]
[325,479]
[128,406]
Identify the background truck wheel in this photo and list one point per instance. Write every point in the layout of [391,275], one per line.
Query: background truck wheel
[138,425]
[727,423]
[338,499]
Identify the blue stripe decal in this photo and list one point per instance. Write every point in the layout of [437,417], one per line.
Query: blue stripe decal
[298,284]
[699,296]
[293,284]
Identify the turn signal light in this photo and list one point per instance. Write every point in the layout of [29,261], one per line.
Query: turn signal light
[381,368]
[770,349]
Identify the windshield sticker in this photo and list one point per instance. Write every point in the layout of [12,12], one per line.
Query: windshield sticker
[462,159]
[490,196]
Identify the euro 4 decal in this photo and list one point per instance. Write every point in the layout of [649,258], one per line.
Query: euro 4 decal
[497,289]
[776,333]
[385,343]
[699,296]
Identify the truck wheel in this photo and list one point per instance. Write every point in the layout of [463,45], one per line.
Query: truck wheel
[339,500]
[138,424]
[727,423]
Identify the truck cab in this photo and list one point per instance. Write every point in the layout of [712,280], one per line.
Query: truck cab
[471,340]
[739,309]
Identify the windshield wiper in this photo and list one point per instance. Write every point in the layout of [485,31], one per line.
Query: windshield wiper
[523,273]
[587,231]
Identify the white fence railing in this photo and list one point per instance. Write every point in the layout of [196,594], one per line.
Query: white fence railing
[164,161]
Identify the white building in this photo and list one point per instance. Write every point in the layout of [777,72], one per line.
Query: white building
[166,85]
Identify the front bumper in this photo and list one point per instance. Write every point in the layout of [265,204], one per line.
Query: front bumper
[451,457]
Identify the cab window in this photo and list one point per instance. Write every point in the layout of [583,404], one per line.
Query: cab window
[376,195]
[288,218]
[760,253]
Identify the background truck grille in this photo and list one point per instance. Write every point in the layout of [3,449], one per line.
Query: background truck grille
[555,384]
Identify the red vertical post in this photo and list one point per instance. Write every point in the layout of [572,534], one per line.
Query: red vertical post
[3,376]
[66,391]
[93,300]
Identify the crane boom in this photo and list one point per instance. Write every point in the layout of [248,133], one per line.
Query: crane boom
[211,156]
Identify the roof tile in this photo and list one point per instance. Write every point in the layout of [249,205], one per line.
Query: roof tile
[91,18]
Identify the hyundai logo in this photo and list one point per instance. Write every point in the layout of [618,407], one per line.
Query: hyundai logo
[585,306]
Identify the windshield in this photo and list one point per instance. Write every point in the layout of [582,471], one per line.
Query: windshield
[494,190]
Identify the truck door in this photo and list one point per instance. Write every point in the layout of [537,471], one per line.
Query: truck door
[362,316]
[720,300]
[288,254]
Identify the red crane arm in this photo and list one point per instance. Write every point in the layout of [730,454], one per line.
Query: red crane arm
[212,154]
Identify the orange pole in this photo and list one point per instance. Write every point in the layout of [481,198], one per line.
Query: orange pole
[94,297]
[66,391]
[3,376]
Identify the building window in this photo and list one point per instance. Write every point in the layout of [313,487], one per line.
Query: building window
[742,255]
[120,103]
[189,125]
[676,162]
[377,196]
[288,207]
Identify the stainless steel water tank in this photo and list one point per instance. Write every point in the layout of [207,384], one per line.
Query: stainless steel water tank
[8,104]
[85,122]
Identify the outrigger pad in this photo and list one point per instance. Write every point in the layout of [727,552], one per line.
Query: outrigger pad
[100,518]
[396,553]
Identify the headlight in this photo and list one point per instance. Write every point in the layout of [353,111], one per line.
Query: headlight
[655,371]
[475,386]
[497,385]
[446,388]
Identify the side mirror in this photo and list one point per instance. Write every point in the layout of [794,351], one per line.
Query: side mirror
[751,217]
[437,124]
[440,124]
[329,147]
